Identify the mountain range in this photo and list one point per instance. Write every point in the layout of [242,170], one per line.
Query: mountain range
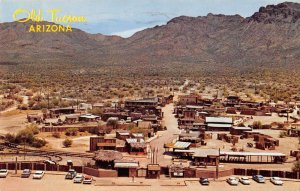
[270,37]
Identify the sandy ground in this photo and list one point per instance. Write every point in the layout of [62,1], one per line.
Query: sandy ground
[80,144]
[57,182]
[166,136]
[12,124]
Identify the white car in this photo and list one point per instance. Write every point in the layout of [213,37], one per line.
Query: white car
[276,181]
[245,180]
[3,173]
[78,178]
[233,181]
[38,174]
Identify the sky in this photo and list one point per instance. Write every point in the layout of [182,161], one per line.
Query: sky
[125,17]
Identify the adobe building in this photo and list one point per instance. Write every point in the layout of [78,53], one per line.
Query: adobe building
[126,167]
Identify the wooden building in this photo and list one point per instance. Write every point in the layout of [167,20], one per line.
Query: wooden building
[153,171]
[252,157]
[58,111]
[205,157]
[239,130]
[34,118]
[126,167]
[219,123]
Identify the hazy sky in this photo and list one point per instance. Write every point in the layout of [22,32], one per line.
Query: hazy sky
[124,17]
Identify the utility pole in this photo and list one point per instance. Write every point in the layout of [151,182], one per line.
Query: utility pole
[156,154]
[217,164]
[16,166]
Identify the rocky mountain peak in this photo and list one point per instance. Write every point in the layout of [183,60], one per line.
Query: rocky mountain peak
[282,13]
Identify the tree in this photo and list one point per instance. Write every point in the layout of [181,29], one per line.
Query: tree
[67,142]
[33,128]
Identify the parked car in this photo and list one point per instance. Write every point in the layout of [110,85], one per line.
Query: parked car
[245,180]
[204,181]
[87,179]
[49,162]
[233,181]
[26,173]
[276,181]
[78,178]
[258,178]
[71,174]
[38,174]
[3,173]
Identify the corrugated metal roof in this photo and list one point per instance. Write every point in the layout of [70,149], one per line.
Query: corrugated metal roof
[126,165]
[124,133]
[219,125]
[134,141]
[182,145]
[242,128]
[251,154]
[184,151]
[89,116]
[218,120]
[138,134]
[206,152]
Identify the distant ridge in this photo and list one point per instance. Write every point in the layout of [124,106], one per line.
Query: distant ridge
[269,37]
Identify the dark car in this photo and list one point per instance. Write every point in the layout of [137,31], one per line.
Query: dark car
[258,178]
[204,181]
[71,174]
[26,173]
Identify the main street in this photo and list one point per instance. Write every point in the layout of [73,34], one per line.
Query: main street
[166,136]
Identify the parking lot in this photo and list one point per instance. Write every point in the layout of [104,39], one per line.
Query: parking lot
[52,182]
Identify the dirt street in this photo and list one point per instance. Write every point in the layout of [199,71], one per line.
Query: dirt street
[166,136]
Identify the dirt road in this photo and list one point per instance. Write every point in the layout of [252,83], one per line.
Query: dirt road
[166,136]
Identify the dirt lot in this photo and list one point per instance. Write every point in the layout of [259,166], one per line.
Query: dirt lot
[12,122]
[285,146]
[57,182]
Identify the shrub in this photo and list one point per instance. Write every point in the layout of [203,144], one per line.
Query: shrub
[56,134]
[71,131]
[38,143]
[33,128]
[27,136]
[23,106]
[257,125]
[282,134]
[280,125]
[94,130]
[10,138]
[67,142]
[296,167]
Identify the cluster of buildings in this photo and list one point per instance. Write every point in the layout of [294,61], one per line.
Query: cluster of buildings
[198,118]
